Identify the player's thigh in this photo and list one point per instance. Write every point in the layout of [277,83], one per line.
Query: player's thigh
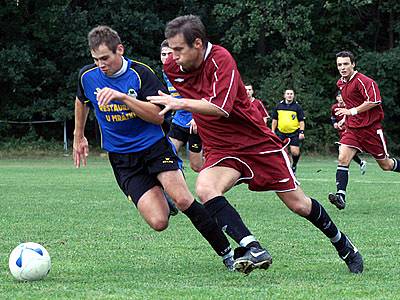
[177,143]
[196,160]
[346,154]
[295,150]
[154,209]
[175,186]
[215,181]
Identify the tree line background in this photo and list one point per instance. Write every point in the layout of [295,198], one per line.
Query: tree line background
[277,45]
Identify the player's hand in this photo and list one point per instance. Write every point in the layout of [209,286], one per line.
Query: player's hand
[342,111]
[336,126]
[193,127]
[168,101]
[80,151]
[341,123]
[106,95]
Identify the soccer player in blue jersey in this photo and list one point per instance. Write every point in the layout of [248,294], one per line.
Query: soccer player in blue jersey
[183,128]
[143,160]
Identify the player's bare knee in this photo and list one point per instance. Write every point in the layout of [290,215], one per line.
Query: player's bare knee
[158,223]
[195,167]
[386,165]
[183,202]
[300,209]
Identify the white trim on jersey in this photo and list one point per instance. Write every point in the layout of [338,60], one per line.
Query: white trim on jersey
[366,93]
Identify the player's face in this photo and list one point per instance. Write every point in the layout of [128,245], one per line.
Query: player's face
[289,95]
[108,62]
[345,67]
[249,90]
[189,58]
[165,52]
[339,99]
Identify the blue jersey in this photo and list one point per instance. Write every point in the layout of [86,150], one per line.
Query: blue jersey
[121,130]
[181,117]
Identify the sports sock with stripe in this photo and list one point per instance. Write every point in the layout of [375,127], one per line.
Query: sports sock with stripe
[396,165]
[342,179]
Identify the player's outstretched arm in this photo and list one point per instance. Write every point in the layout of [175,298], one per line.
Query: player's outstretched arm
[80,147]
[192,105]
[144,110]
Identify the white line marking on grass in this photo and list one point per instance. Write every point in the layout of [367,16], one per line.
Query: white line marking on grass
[357,181]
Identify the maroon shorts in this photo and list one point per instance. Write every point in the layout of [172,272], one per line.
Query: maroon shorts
[262,172]
[369,139]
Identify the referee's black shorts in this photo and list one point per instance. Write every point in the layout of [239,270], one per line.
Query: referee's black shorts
[294,137]
[136,172]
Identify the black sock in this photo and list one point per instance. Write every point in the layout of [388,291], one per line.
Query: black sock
[342,178]
[320,218]
[396,166]
[208,228]
[357,159]
[295,160]
[227,218]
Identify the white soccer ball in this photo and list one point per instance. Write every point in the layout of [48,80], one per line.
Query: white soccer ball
[29,261]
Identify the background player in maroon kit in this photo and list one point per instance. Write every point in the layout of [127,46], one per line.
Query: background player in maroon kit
[257,102]
[338,122]
[364,131]
[238,146]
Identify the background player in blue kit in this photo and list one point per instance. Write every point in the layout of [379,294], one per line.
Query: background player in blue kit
[183,129]
[143,160]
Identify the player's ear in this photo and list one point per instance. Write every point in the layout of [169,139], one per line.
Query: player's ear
[120,49]
[198,43]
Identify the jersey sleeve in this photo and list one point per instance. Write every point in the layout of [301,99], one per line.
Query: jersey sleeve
[262,109]
[274,114]
[225,81]
[300,113]
[80,92]
[369,89]
[150,84]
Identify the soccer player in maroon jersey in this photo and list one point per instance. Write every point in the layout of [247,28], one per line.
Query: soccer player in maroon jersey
[364,130]
[340,126]
[257,102]
[238,146]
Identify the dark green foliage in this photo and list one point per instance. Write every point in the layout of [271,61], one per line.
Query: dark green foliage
[277,44]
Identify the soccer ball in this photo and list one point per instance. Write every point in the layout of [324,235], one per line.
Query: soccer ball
[29,261]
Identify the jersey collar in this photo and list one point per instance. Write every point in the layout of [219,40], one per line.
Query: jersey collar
[122,70]
[352,76]
[208,50]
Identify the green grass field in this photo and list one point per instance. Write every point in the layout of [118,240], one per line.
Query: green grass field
[102,249]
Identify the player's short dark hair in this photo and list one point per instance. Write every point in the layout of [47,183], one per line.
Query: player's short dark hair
[289,89]
[164,44]
[346,54]
[191,28]
[103,35]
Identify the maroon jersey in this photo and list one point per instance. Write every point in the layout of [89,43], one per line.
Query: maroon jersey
[218,81]
[260,107]
[356,91]
[336,118]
